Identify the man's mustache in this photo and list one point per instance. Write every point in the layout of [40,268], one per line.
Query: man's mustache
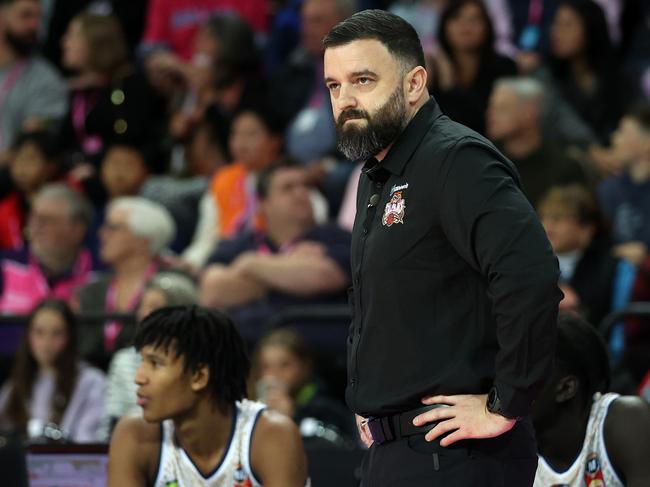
[350,114]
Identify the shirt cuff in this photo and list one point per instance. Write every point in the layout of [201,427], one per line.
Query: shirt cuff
[515,403]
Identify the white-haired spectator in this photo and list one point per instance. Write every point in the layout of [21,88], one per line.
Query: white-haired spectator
[134,234]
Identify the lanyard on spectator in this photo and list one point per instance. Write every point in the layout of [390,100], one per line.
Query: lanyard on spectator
[9,82]
[535,11]
[530,35]
[113,328]
[82,104]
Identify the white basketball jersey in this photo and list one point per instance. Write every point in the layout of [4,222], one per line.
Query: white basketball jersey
[176,469]
[592,468]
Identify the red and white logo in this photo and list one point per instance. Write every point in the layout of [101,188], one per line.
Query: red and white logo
[394,210]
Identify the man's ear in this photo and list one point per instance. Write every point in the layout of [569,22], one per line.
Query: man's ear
[416,84]
[566,388]
[200,378]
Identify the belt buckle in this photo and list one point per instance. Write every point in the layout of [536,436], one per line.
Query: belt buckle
[381,430]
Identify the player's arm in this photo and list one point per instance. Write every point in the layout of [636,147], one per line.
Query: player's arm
[128,458]
[277,455]
[627,438]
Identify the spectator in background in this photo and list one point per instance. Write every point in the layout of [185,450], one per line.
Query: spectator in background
[171,28]
[48,384]
[124,169]
[133,236]
[291,261]
[514,118]
[585,435]
[467,65]
[225,73]
[574,226]
[35,161]
[165,289]
[108,101]
[55,263]
[33,94]
[625,199]
[582,67]
[302,100]
[283,377]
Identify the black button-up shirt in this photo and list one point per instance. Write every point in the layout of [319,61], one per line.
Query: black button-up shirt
[454,281]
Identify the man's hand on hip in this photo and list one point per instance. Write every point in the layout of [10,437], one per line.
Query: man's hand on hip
[364,431]
[466,417]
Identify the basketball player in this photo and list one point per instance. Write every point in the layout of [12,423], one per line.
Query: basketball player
[585,438]
[198,430]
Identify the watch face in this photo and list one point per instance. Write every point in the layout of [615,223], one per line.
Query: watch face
[492,399]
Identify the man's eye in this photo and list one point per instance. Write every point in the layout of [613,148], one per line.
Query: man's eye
[364,81]
[333,86]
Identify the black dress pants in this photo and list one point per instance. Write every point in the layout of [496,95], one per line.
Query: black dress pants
[509,460]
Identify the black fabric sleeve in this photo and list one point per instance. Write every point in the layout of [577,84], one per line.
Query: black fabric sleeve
[492,226]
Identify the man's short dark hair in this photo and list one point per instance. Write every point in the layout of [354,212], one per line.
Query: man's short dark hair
[201,336]
[392,31]
[582,351]
[265,177]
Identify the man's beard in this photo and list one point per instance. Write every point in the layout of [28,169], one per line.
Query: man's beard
[22,45]
[359,144]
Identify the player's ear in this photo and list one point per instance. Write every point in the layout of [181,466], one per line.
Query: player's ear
[200,378]
[566,388]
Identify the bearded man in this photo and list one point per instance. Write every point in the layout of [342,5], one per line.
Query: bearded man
[455,291]
[32,93]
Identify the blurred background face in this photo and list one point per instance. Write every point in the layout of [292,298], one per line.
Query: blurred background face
[123,171]
[47,337]
[466,31]
[631,142]
[288,198]
[116,238]
[75,47]
[152,299]
[51,230]
[503,114]
[206,51]
[277,362]
[29,168]
[563,229]
[318,18]
[251,143]
[21,23]
[567,33]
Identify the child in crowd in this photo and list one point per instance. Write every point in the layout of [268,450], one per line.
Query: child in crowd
[34,162]
[49,388]
[283,379]
[625,199]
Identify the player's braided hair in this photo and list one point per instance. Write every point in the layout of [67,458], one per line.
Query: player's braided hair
[201,336]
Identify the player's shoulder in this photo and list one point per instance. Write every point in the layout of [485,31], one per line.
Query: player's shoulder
[627,416]
[275,425]
[133,434]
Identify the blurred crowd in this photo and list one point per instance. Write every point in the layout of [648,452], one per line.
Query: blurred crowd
[184,151]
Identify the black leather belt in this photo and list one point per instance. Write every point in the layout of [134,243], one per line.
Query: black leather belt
[396,426]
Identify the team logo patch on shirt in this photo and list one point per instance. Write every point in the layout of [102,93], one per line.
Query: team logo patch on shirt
[593,472]
[394,210]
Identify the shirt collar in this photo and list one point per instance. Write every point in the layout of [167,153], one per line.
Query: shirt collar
[406,143]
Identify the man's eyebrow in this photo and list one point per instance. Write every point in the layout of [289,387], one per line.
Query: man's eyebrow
[355,74]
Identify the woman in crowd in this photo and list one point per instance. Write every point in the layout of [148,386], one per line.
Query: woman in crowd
[165,289]
[283,378]
[582,66]
[135,233]
[48,384]
[466,64]
[108,99]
